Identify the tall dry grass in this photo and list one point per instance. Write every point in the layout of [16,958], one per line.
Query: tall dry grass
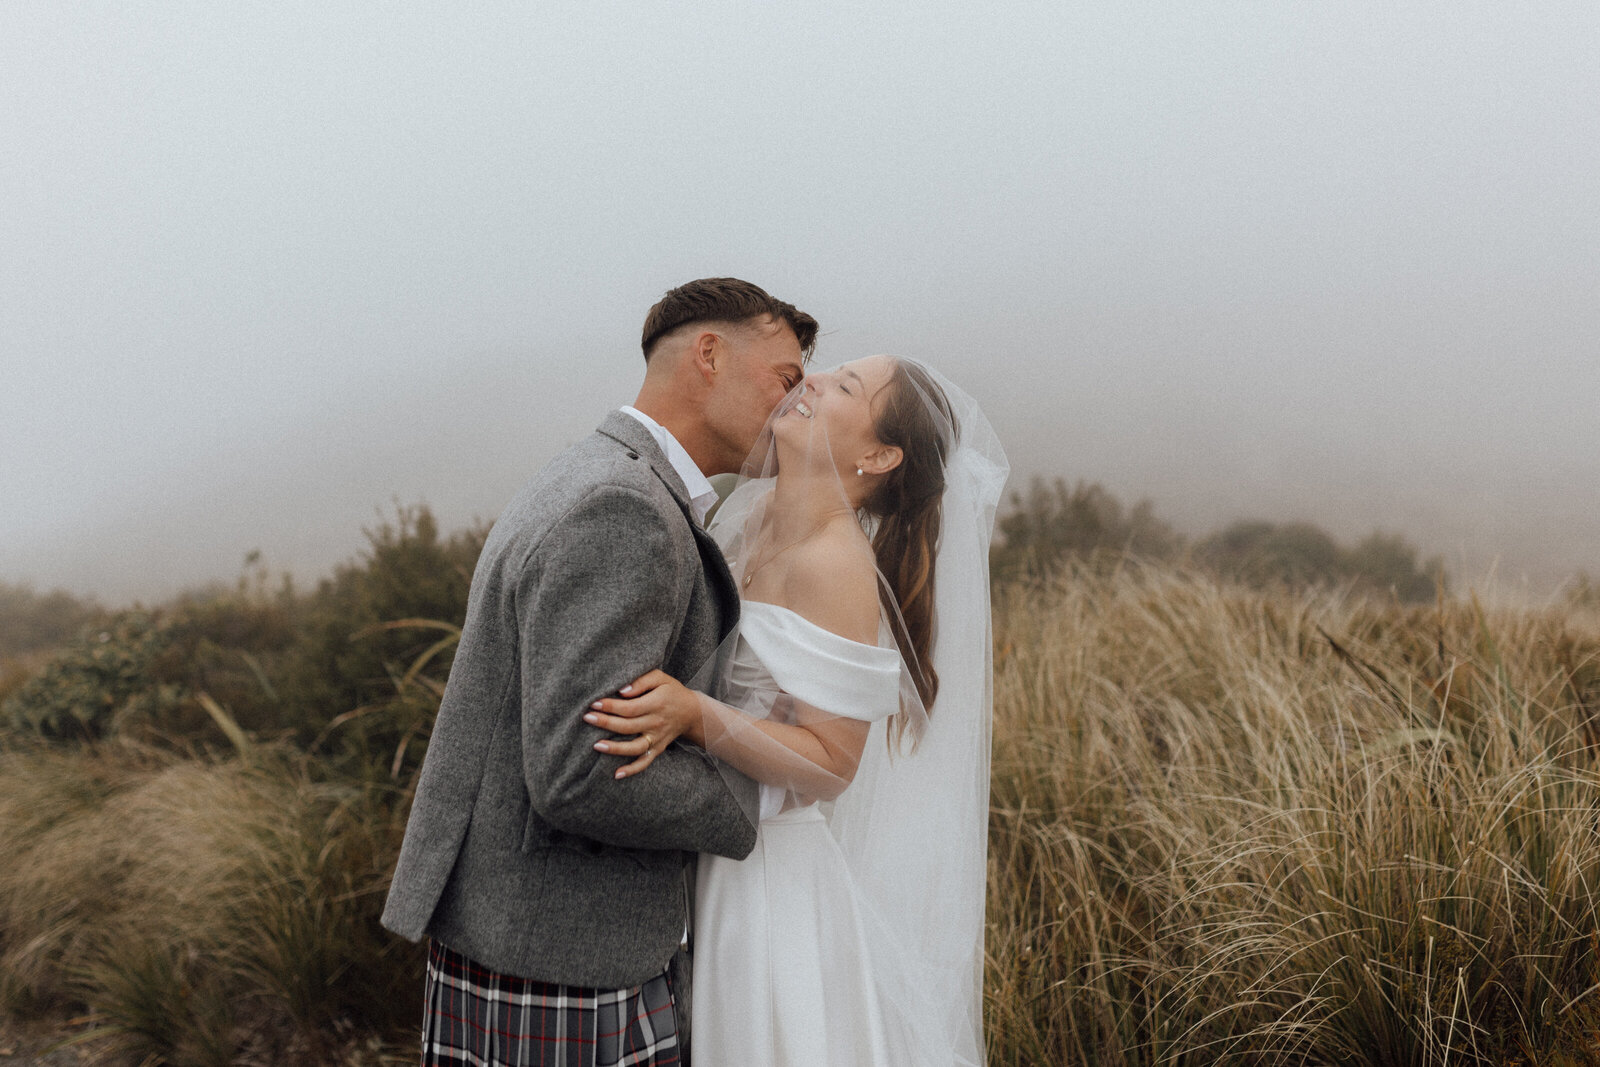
[1227,827]
[1230,827]
[205,911]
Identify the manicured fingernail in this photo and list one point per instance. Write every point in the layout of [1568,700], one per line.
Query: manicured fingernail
[620,774]
[602,746]
[626,689]
[598,705]
[591,718]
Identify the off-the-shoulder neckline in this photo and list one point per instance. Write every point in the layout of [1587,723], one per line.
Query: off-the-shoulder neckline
[745,604]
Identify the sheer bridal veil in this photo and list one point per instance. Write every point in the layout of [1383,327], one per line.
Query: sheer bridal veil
[912,821]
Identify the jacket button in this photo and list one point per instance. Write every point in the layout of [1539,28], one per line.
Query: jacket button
[633,455]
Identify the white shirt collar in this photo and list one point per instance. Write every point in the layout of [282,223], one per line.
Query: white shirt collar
[701,493]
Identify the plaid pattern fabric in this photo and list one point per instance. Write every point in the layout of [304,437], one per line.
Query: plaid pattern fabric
[474,1017]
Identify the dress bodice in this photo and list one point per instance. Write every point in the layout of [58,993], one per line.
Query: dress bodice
[779,650]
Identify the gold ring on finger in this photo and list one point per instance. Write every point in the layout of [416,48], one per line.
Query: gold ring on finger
[649,742]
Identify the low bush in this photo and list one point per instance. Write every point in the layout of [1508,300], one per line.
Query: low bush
[352,670]
[104,679]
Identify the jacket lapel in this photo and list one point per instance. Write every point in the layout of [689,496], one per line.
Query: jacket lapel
[720,578]
[631,434]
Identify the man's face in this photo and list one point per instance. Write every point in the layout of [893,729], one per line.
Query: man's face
[763,362]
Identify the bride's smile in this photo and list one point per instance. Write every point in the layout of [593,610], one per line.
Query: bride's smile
[828,420]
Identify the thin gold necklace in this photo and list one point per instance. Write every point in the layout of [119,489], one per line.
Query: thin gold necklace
[750,573]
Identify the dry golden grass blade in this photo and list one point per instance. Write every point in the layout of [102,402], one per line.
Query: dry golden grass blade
[225,722]
[407,624]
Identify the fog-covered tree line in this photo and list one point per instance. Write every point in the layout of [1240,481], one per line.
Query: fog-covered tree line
[1050,522]
[30,620]
[1040,526]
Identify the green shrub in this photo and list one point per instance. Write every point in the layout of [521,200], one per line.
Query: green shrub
[346,656]
[106,677]
[17,671]
[355,668]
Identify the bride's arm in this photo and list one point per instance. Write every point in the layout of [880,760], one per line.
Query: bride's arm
[817,755]
[833,585]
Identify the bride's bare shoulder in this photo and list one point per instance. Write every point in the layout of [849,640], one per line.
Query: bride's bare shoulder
[833,582]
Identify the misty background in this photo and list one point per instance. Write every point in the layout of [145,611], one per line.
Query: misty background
[266,269]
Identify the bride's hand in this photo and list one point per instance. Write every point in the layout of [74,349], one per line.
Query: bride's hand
[656,708]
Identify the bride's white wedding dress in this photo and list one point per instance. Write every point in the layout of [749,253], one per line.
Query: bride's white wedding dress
[853,935]
[790,967]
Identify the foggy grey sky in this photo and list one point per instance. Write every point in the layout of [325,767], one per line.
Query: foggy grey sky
[266,267]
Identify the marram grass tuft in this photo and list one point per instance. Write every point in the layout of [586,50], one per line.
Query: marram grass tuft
[1230,827]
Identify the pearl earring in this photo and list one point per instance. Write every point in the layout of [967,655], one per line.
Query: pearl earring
[859,472]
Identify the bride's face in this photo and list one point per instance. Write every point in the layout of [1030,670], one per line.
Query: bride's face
[828,420]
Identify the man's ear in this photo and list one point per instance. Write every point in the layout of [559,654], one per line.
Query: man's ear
[880,460]
[708,352]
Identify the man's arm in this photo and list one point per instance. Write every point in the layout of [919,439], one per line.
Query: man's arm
[596,610]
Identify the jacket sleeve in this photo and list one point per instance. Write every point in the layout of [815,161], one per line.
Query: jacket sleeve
[597,608]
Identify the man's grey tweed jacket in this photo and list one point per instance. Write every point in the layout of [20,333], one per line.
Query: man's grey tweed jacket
[522,850]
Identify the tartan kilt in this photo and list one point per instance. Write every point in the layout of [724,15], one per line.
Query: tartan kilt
[475,1017]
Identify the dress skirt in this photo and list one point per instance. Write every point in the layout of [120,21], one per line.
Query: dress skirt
[782,974]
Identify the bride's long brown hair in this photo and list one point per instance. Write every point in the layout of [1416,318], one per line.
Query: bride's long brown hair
[914,416]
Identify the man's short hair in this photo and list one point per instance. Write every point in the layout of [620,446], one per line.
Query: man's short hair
[723,300]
